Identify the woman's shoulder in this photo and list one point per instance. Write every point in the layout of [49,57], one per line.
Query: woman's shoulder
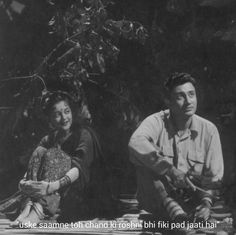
[84,132]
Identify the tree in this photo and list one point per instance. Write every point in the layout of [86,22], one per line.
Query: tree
[87,50]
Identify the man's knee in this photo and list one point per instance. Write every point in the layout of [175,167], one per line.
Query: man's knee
[151,191]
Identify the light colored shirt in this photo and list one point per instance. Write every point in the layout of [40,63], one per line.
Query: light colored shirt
[157,145]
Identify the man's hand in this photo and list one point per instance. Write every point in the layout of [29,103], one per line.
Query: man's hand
[203,211]
[178,178]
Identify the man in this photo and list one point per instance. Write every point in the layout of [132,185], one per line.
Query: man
[173,148]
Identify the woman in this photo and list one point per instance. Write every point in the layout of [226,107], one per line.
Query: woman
[65,170]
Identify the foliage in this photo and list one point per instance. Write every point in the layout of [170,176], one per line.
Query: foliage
[89,45]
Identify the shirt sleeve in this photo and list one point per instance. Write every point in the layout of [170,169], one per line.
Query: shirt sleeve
[214,167]
[143,149]
[214,164]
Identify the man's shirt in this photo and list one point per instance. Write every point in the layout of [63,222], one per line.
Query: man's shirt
[157,145]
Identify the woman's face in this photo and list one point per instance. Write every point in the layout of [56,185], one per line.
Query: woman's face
[61,116]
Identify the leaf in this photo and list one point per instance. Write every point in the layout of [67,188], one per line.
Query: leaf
[90,62]
[52,21]
[227,35]
[17,7]
[124,116]
[82,75]
[177,6]
[215,3]
[127,29]
[141,34]
[51,2]
[101,62]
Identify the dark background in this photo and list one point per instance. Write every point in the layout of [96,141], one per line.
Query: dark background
[197,37]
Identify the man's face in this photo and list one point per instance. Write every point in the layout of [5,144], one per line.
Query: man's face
[183,100]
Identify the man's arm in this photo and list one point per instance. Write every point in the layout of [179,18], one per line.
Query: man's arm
[214,167]
[143,149]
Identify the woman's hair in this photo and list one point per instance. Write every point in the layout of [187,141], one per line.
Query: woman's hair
[54,97]
[79,107]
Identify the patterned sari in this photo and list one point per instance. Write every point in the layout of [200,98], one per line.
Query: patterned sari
[48,165]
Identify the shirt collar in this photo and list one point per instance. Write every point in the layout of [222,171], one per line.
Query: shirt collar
[194,127]
[193,131]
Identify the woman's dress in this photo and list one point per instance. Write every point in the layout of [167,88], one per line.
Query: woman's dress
[84,197]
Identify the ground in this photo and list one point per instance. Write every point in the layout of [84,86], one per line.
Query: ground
[131,222]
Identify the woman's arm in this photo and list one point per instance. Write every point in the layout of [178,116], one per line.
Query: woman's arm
[81,161]
[41,188]
[71,176]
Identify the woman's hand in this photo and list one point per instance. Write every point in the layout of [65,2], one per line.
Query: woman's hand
[38,189]
[34,189]
[53,187]
[25,186]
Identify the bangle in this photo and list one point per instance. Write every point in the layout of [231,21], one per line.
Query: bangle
[169,171]
[207,201]
[64,181]
[47,189]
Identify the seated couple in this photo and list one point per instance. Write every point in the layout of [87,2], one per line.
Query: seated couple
[65,173]
[175,150]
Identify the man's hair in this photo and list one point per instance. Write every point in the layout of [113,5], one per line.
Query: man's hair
[176,79]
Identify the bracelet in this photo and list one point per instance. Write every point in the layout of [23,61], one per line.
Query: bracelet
[169,171]
[64,181]
[47,189]
[207,201]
